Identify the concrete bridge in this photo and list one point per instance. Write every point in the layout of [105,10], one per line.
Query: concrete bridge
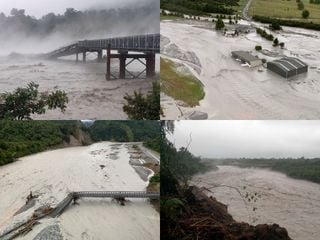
[73,196]
[143,46]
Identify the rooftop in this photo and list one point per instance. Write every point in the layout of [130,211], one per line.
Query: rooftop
[245,55]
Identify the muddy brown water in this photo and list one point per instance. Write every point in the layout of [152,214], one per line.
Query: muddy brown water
[293,204]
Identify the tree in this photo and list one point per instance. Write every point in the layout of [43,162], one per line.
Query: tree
[305,13]
[281,44]
[219,24]
[258,48]
[275,26]
[275,42]
[26,101]
[140,107]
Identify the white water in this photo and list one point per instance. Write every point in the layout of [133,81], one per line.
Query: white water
[293,204]
[53,174]
[236,92]
[90,95]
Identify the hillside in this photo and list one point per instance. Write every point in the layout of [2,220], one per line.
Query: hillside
[21,138]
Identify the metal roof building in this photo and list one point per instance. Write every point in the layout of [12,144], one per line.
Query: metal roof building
[287,67]
[247,57]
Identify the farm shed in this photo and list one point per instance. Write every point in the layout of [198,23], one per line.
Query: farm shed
[287,67]
[247,58]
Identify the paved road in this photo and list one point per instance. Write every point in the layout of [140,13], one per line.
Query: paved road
[246,11]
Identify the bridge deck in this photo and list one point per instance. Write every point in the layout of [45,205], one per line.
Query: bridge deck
[101,194]
[149,43]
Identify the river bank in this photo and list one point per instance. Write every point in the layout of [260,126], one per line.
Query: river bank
[276,198]
[53,174]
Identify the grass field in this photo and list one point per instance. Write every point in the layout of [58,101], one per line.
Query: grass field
[285,9]
[167,17]
[183,87]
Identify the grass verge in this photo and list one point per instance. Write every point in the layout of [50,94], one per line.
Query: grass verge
[183,87]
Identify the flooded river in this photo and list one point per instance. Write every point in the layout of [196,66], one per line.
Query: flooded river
[90,95]
[53,174]
[233,91]
[293,204]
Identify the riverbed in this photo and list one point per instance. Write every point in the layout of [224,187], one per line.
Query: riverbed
[293,204]
[53,174]
[233,91]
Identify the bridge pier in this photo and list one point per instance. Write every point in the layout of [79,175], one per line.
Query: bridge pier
[150,65]
[77,57]
[122,66]
[84,56]
[99,55]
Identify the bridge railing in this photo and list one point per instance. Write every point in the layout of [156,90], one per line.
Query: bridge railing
[144,43]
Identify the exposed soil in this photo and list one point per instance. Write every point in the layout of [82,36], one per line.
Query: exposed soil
[206,218]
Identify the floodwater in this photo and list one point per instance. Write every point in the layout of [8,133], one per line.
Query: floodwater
[90,95]
[293,204]
[53,174]
[237,92]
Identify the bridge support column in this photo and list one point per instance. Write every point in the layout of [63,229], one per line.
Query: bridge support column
[122,67]
[100,56]
[108,74]
[150,65]
[77,57]
[84,56]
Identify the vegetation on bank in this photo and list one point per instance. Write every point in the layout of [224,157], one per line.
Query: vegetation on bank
[153,144]
[299,168]
[143,107]
[124,131]
[200,7]
[289,23]
[183,87]
[23,102]
[21,138]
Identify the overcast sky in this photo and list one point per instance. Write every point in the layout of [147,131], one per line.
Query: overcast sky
[235,139]
[39,8]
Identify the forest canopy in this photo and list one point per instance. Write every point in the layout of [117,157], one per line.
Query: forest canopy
[200,6]
[21,138]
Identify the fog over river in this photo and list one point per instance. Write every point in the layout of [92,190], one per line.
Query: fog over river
[53,174]
[293,204]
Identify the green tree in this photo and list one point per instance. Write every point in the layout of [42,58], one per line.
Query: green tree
[26,101]
[305,13]
[258,48]
[140,107]
[275,42]
[219,24]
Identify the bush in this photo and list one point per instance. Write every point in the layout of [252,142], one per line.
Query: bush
[305,13]
[258,48]
[219,23]
[275,26]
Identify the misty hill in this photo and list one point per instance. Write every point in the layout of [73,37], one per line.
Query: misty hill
[73,25]
[200,6]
